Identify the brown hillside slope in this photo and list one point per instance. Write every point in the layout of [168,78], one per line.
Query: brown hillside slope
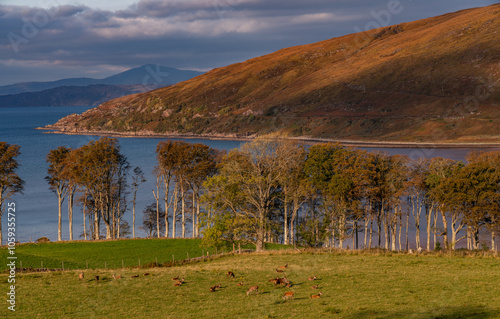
[430,80]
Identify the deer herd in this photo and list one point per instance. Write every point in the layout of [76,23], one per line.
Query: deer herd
[283,281]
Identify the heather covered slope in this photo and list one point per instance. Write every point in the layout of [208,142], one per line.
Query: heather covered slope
[432,80]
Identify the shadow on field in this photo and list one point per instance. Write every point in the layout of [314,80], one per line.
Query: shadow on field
[464,312]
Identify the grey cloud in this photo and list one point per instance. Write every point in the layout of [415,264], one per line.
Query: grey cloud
[199,34]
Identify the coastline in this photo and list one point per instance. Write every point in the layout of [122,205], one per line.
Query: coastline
[305,139]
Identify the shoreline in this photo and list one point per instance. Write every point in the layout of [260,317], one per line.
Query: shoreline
[304,139]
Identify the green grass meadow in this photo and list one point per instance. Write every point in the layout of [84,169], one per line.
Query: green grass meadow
[354,285]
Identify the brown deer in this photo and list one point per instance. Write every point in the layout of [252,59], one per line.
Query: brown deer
[146,274]
[117,277]
[230,274]
[80,276]
[213,289]
[312,278]
[253,289]
[289,295]
[239,284]
[135,276]
[179,282]
[97,278]
[315,287]
[283,267]
[316,296]
[279,270]
[176,278]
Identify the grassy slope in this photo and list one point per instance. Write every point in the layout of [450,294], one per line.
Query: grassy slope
[108,253]
[354,286]
[404,82]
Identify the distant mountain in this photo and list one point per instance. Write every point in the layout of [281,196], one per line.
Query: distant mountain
[94,94]
[432,80]
[149,74]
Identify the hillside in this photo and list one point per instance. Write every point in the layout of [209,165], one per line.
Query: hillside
[432,80]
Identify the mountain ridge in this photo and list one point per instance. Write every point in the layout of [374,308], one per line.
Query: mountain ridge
[148,74]
[434,79]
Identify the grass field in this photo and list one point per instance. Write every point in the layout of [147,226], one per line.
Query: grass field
[354,285]
[109,254]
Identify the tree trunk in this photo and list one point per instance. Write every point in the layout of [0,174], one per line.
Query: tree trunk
[260,232]
[428,219]
[183,210]
[371,234]
[493,246]
[174,210]
[96,223]
[194,214]
[407,243]
[60,199]
[84,209]
[285,221]
[133,214]
[70,213]
[445,228]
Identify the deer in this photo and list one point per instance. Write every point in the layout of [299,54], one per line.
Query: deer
[213,289]
[97,278]
[240,283]
[176,278]
[315,287]
[135,276]
[312,278]
[117,277]
[289,295]
[279,270]
[80,276]
[179,282]
[283,267]
[146,274]
[316,296]
[253,289]
[230,274]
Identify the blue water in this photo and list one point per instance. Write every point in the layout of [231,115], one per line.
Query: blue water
[37,207]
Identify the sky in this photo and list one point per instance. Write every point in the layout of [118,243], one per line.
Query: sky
[46,40]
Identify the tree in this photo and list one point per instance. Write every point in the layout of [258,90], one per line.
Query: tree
[57,180]
[149,220]
[102,171]
[10,182]
[247,185]
[137,179]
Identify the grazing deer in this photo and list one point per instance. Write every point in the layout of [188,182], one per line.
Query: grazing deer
[97,278]
[230,274]
[135,276]
[80,276]
[117,277]
[176,278]
[315,287]
[213,289]
[285,280]
[179,282]
[239,284]
[289,295]
[146,274]
[316,296]
[312,278]
[279,270]
[283,267]
[253,289]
